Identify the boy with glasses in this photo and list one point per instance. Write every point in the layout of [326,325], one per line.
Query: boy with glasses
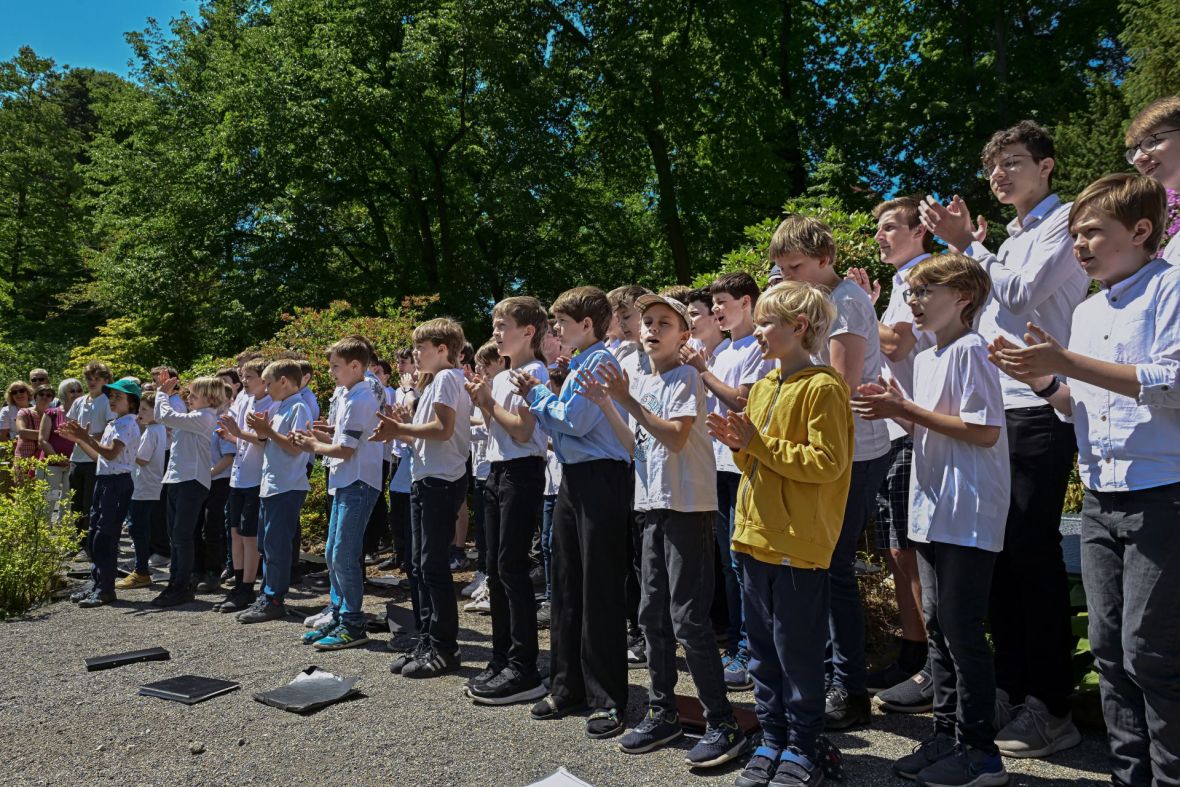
[1153,148]
[1034,278]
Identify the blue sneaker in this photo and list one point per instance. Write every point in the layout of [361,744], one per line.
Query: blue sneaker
[967,767]
[657,728]
[796,769]
[760,769]
[324,629]
[718,745]
[737,674]
[343,636]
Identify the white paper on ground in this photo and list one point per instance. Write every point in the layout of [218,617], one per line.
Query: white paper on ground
[561,778]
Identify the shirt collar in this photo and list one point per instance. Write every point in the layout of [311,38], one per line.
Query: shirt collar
[924,255]
[1117,291]
[1015,227]
[584,355]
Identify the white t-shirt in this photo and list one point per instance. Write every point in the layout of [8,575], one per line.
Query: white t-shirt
[855,315]
[149,478]
[246,472]
[898,312]
[738,363]
[959,492]
[553,474]
[8,418]
[282,471]
[93,414]
[125,429]
[356,418]
[445,459]
[683,481]
[631,358]
[1171,252]
[501,446]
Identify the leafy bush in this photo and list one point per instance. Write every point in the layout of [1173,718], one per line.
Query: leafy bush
[32,546]
[313,519]
[123,344]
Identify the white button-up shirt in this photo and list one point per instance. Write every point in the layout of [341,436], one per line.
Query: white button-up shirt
[1171,251]
[1035,278]
[1126,444]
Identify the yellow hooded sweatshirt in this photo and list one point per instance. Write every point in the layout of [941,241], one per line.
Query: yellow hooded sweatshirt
[795,469]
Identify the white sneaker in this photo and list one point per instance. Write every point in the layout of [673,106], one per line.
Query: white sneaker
[318,619]
[469,589]
[1035,732]
[481,600]
[158,561]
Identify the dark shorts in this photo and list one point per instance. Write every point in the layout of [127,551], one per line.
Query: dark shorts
[893,498]
[241,510]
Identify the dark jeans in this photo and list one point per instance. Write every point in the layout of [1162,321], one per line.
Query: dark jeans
[434,505]
[477,527]
[377,528]
[82,491]
[1131,572]
[632,583]
[677,591]
[108,509]
[954,603]
[1030,611]
[727,486]
[399,522]
[211,524]
[589,619]
[144,517]
[280,518]
[512,513]
[787,623]
[241,510]
[184,501]
[846,619]
[547,542]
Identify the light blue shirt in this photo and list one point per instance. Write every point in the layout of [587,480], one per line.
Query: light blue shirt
[189,458]
[578,428]
[283,471]
[1126,444]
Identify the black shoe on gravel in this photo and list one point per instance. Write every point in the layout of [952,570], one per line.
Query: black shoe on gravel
[508,687]
[843,710]
[432,663]
[262,610]
[97,599]
[172,598]
[915,695]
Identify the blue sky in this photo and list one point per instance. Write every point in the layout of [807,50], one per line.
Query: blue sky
[81,33]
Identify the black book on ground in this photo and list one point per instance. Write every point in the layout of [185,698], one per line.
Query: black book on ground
[313,688]
[132,657]
[189,689]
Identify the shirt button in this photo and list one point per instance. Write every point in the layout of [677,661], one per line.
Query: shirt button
[1106,337]
[1108,460]
[1103,418]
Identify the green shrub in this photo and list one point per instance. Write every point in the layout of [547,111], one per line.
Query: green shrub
[32,546]
[313,519]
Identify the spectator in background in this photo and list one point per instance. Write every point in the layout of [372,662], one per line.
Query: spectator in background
[17,396]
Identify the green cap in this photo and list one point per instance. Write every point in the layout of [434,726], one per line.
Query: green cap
[124,386]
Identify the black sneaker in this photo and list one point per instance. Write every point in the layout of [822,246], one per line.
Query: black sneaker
[544,615]
[887,677]
[657,728]
[915,695]
[237,600]
[432,663]
[83,592]
[796,769]
[637,652]
[171,598]
[493,669]
[415,647]
[760,768]
[719,745]
[227,574]
[209,583]
[537,575]
[262,610]
[97,599]
[843,710]
[389,564]
[924,755]
[507,687]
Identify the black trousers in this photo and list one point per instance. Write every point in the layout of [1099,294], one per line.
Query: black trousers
[513,498]
[82,491]
[954,604]
[377,529]
[1029,613]
[434,505]
[589,630]
[633,584]
[212,532]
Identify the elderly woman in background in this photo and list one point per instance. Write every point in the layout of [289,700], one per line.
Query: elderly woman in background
[18,396]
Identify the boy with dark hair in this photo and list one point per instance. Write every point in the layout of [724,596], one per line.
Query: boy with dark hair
[1119,382]
[1035,278]
[589,662]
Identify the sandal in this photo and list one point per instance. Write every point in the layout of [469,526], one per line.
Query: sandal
[548,708]
[604,723]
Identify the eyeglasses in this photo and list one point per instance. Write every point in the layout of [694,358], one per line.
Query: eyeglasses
[1147,145]
[918,293]
[1009,165]
[38,379]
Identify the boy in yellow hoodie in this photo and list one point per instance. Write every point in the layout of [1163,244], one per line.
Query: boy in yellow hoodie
[793,445]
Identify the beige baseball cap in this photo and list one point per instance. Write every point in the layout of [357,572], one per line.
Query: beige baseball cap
[643,302]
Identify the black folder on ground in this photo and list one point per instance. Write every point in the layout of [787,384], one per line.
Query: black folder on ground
[399,619]
[313,688]
[189,689]
[132,657]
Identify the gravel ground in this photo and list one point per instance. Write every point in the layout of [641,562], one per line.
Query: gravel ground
[62,725]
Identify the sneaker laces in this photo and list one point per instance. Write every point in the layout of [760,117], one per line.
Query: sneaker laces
[653,719]
[720,732]
[1029,720]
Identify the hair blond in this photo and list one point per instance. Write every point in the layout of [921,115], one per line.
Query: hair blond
[791,300]
[1126,198]
[803,234]
[211,389]
[959,272]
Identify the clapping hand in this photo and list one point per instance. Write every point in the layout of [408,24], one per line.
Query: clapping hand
[522,381]
[882,399]
[1035,364]
[860,276]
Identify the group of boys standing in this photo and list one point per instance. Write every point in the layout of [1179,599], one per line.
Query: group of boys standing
[949,419]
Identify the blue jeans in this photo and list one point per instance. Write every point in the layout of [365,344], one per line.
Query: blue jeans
[280,526]
[727,486]
[788,629]
[108,509]
[547,542]
[142,518]
[351,508]
[846,621]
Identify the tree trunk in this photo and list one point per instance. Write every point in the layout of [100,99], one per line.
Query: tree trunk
[428,251]
[18,244]
[789,147]
[669,208]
